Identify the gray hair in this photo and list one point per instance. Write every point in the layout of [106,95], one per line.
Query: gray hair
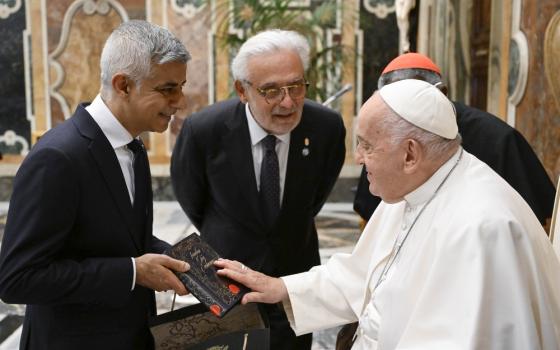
[409,73]
[132,49]
[267,42]
[398,129]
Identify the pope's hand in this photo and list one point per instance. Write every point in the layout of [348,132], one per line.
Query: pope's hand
[265,289]
[154,271]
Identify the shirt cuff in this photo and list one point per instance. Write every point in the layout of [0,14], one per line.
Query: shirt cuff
[133,274]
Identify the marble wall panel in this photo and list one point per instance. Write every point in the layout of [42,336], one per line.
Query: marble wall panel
[77,66]
[537,116]
[194,33]
[13,116]
[552,71]
[136,9]
[55,11]
[78,73]
[80,59]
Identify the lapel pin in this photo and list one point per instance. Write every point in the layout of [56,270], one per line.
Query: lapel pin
[305,150]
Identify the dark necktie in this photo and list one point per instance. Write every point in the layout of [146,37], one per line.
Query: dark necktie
[270,180]
[141,187]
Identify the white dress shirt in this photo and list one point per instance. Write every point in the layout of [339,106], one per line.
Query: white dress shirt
[118,137]
[282,148]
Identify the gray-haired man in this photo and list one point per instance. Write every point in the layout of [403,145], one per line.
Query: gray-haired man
[253,172]
[453,258]
[78,246]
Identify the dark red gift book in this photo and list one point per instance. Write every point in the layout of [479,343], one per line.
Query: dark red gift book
[217,293]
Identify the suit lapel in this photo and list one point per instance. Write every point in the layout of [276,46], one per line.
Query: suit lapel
[108,165]
[150,212]
[299,158]
[237,146]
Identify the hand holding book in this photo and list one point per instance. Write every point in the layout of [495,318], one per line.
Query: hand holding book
[155,271]
[218,293]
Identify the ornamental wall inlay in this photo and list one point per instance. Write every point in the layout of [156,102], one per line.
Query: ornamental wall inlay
[8,7]
[188,8]
[380,8]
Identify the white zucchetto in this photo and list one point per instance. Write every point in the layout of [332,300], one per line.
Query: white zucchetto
[423,105]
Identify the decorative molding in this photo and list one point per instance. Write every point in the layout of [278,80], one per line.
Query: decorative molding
[519,49]
[10,138]
[188,8]
[8,7]
[90,7]
[518,63]
[293,3]
[381,9]
[551,59]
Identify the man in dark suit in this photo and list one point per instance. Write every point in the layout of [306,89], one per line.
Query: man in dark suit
[78,246]
[484,135]
[253,172]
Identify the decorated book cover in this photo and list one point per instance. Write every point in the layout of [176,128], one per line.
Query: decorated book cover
[217,293]
[193,327]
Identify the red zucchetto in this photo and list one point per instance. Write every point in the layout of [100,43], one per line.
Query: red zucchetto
[411,60]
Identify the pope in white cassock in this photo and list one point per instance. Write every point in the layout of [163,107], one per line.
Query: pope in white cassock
[452,259]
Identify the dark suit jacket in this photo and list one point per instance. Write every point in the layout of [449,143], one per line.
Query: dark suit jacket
[500,146]
[68,244]
[214,181]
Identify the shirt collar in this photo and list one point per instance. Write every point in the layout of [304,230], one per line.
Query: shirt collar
[256,132]
[115,132]
[428,188]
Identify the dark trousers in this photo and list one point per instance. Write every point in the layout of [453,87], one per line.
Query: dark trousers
[282,337]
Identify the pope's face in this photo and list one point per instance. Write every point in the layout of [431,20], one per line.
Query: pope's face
[384,161]
[274,71]
[159,96]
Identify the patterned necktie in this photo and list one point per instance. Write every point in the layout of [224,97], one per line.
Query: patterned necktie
[141,187]
[270,180]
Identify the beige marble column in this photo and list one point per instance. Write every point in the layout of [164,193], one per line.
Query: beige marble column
[221,60]
[498,65]
[348,104]
[39,68]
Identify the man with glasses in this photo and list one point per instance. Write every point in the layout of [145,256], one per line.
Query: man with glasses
[453,258]
[253,172]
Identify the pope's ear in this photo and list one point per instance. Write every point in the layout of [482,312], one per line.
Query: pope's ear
[413,156]
[121,84]
[240,89]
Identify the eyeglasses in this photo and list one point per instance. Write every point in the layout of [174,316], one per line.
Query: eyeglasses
[276,94]
[364,147]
